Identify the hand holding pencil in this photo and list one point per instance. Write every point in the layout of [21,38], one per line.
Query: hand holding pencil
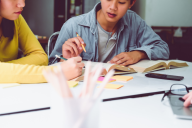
[73,47]
[81,44]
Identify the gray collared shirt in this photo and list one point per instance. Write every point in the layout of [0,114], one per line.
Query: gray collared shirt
[133,34]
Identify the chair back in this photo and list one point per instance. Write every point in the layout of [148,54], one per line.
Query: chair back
[51,42]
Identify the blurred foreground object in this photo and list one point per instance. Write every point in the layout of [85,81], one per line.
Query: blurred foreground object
[74,111]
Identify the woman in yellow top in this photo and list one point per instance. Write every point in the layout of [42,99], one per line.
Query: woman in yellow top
[15,34]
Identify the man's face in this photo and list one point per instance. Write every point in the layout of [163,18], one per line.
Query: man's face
[114,10]
[11,9]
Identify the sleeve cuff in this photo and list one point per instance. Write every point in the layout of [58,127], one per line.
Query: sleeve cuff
[146,49]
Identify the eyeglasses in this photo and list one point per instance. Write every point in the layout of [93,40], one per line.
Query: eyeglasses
[177,91]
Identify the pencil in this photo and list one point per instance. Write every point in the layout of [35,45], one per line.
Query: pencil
[81,44]
[60,57]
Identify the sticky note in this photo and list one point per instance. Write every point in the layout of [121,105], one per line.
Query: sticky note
[112,86]
[102,78]
[72,83]
[122,78]
[9,85]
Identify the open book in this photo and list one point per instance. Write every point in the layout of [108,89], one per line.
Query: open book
[107,67]
[153,65]
[142,66]
[118,68]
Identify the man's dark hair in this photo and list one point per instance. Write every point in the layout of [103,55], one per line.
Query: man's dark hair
[7,28]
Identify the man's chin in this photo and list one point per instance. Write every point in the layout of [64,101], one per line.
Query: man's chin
[112,20]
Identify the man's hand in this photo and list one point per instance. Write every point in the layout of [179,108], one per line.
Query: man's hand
[188,99]
[126,58]
[72,47]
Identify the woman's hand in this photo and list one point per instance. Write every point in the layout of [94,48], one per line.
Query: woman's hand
[188,99]
[72,68]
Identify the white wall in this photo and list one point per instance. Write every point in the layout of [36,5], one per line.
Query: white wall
[39,15]
[168,12]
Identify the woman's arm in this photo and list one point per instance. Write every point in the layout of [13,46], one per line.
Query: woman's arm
[30,46]
[30,74]
[24,74]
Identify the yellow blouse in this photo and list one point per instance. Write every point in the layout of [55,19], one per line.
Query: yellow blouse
[25,40]
[23,74]
[22,70]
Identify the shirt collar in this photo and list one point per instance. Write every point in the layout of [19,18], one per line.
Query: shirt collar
[123,20]
[90,19]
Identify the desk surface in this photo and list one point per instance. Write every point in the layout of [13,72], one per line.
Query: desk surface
[24,97]
[148,111]
[28,93]
[141,84]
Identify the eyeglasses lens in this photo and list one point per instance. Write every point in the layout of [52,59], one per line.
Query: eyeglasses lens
[178,90]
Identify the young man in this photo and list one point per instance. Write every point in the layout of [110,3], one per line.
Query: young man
[110,32]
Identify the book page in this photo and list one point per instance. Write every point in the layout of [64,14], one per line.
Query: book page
[149,65]
[144,64]
[93,64]
[175,63]
[168,61]
[118,68]
[105,65]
